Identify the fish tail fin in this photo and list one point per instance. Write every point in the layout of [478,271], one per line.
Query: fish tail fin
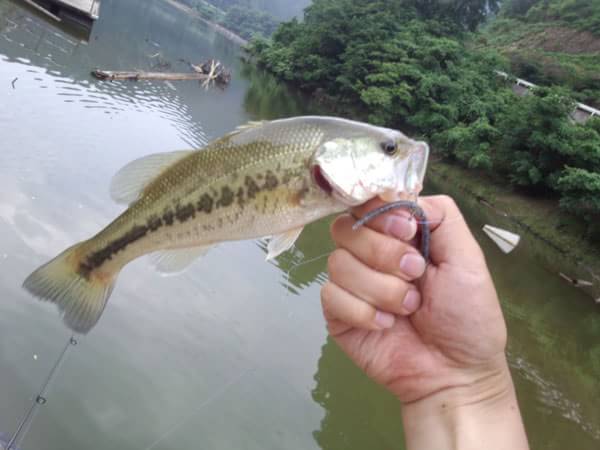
[80,297]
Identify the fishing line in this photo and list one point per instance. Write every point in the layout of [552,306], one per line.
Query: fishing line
[196,410]
[40,399]
[295,266]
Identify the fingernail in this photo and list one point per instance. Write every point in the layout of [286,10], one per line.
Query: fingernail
[412,265]
[384,320]
[400,226]
[412,301]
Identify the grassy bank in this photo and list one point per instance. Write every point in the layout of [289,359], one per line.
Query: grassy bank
[553,236]
[547,53]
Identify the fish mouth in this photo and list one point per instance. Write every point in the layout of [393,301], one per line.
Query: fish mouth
[330,188]
[320,179]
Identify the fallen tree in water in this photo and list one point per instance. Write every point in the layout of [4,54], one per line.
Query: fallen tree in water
[211,71]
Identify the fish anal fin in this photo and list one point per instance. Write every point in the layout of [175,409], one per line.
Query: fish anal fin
[173,262]
[129,182]
[282,242]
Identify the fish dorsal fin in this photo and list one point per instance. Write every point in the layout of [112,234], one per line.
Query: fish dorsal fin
[129,182]
[251,124]
[282,242]
[173,262]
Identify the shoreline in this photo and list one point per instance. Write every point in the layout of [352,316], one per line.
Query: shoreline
[228,34]
[555,238]
[551,236]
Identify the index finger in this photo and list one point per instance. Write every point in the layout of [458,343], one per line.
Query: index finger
[451,239]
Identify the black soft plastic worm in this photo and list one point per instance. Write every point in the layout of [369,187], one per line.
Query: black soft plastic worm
[415,210]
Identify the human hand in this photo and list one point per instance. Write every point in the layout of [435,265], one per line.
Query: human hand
[416,330]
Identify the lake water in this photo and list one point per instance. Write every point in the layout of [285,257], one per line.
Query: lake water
[233,353]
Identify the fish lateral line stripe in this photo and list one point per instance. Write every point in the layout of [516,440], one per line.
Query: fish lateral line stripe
[97,258]
[182,214]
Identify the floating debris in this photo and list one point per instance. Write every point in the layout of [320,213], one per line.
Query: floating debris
[111,75]
[504,239]
[575,282]
[211,71]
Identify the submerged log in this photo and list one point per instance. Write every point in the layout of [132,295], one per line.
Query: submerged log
[211,71]
[140,75]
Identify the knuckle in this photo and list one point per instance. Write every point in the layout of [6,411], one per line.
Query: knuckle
[337,227]
[393,295]
[362,314]
[326,294]
[336,262]
[386,253]
[447,201]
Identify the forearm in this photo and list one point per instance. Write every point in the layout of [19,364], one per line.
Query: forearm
[484,415]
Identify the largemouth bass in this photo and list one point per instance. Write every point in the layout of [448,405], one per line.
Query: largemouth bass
[263,179]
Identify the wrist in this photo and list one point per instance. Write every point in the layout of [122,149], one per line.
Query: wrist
[481,413]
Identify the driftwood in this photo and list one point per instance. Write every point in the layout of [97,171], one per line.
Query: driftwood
[140,75]
[215,71]
[209,72]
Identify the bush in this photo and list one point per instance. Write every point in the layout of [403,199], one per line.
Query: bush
[580,194]
[398,70]
[584,14]
[247,22]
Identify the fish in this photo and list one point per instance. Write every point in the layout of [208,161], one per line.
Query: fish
[268,178]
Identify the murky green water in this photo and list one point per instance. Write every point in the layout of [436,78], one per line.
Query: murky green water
[232,354]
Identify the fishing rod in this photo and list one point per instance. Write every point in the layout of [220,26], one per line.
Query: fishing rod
[40,398]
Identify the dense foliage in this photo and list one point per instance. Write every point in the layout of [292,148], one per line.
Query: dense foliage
[467,13]
[584,14]
[247,22]
[239,16]
[384,61]
[282,9]
[551,42]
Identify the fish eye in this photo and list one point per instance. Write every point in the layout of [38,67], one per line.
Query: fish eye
[389,147]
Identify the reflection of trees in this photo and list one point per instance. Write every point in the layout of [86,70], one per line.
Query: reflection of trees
[267,98]
[6,9]
[358,413]
[554,336]
[307,261]
[555,364]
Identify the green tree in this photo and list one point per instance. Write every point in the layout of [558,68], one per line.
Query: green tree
[247,22]
[466,13]
[580,194]
[384,62]
[540,139]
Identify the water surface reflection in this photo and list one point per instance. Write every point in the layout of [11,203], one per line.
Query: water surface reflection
[232,354]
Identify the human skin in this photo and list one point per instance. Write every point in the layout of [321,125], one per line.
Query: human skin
[433,334]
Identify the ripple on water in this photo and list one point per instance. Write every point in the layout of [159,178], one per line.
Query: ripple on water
[550,395]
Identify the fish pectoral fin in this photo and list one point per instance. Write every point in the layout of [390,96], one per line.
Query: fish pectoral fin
[173,262]
[129,182]
[282,242]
